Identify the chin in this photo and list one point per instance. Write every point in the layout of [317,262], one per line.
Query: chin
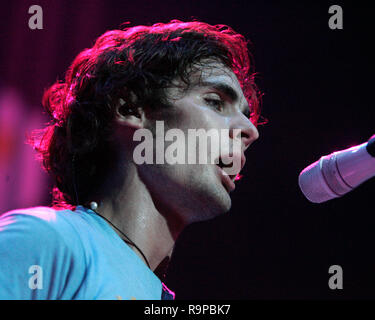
[223,205]
[216,203]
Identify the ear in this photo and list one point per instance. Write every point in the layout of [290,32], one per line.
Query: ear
[127,114]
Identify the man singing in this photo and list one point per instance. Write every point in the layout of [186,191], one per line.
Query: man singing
[114,219]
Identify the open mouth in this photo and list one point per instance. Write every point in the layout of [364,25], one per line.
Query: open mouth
[230,169]
[226,179]
[223,166]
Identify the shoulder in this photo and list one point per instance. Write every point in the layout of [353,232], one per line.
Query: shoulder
[36,218]
[45,238]
[39,225]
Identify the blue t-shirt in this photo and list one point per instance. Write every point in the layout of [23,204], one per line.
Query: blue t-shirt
[64,254]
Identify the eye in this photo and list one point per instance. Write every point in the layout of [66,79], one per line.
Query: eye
[218,104]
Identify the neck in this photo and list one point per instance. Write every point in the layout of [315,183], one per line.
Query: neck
[132,209]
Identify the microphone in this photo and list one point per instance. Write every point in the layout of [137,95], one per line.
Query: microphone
[336,174]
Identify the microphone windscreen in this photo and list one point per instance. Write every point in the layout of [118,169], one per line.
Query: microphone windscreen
[313,184]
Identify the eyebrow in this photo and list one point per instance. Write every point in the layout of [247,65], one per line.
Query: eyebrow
[226,90]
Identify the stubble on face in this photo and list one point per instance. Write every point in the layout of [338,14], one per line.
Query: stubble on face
[194,190]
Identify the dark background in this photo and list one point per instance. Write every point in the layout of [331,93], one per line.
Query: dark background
[318,98]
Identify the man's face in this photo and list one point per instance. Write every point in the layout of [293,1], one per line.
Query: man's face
[215,101]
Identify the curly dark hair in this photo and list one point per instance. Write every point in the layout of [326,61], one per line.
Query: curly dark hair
[75,147]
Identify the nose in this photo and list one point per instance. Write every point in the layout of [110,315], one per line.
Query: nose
[248,133]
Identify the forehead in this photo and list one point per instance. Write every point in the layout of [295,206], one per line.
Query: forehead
[212,71]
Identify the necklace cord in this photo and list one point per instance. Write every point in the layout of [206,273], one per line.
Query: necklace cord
[130,242]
